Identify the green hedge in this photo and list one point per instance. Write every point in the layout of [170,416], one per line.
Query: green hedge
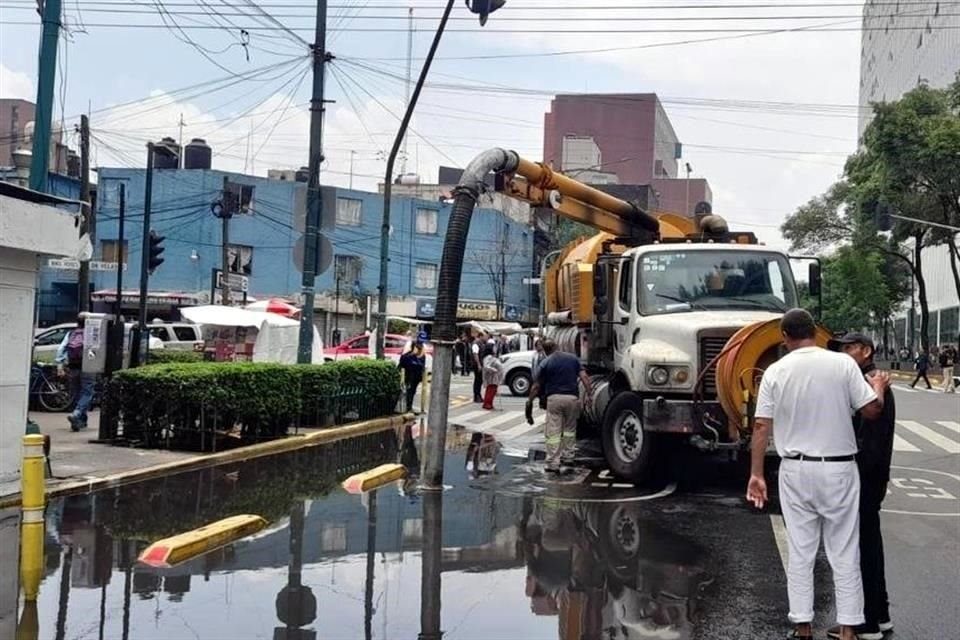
[170,356]
[207,405]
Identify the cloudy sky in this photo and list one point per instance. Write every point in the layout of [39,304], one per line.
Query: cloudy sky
[763,97]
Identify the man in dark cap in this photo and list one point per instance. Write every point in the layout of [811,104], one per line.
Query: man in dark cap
[875,443]
[807,398]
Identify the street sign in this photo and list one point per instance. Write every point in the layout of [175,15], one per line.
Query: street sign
[69,264]
[324,251]
[237,282]
[532,281]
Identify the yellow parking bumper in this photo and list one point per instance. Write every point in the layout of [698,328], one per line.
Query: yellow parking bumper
[186,546]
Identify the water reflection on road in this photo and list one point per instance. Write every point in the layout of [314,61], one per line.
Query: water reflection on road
[484,559]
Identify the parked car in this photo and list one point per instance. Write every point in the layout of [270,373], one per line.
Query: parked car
[359,347]
[47,341]
[178,336]
[517,371]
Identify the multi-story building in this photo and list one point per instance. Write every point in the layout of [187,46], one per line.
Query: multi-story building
[903,45]
[14,116]
[620,139]
[262,251]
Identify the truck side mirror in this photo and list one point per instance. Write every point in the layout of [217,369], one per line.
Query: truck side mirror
[813,279]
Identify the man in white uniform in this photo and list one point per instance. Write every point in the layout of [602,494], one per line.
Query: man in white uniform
[808,398]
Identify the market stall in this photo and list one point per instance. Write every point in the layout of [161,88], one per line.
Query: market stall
[234,334]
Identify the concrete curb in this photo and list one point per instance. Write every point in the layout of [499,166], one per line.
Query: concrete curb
[283,445]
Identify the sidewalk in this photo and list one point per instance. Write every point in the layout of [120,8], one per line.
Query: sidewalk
[80,465]
[73,458]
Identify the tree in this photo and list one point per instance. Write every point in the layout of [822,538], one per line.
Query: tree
[854,290]
[505,258]
[910,162]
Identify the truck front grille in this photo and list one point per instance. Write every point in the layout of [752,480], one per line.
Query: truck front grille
[710,348]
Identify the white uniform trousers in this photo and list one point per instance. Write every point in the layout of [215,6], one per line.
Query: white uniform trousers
[822,497]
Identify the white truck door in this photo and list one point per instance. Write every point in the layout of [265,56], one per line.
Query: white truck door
[626,302]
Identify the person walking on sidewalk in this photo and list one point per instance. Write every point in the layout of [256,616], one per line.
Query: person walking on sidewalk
[807,398]
[948,360]
[69,361]
[413,363]
[922,363]
[492,375]
[559,378]
[875,445]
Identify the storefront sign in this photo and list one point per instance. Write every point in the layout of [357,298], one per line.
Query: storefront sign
[471,310]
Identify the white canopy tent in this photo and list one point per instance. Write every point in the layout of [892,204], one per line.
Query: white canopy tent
[277,337]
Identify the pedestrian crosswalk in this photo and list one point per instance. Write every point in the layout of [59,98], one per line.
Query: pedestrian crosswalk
[911,436]
[908,389]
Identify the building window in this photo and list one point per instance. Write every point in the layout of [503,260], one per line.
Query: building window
[242,195]
[348,212]
[427,221]
[108,251]
[426,276]
[347,269]
[949,326]
[240,259]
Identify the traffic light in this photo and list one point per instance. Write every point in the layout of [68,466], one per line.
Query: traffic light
[156,251]
[484,8]
[881,216]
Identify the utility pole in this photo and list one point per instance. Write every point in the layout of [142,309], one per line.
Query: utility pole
[121,252]
[686,202]
[388,182]
[46,76]
[352,153]
[501,299]
[88,224]
[226,212]
[406,98]
[314,204]
[137,350]
[181,124]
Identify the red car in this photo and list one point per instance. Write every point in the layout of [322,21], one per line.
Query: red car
[359,347]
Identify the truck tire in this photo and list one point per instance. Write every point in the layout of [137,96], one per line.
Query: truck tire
[627,448]
[519,382]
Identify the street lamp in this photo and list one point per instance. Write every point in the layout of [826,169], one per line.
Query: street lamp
[482,8]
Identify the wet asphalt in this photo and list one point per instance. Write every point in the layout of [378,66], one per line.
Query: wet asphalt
[504,552]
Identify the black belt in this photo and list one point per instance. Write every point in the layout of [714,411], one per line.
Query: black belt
[803,456]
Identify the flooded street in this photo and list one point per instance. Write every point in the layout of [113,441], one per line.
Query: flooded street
[502,553]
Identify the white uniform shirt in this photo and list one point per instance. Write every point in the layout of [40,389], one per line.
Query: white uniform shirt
[810,394]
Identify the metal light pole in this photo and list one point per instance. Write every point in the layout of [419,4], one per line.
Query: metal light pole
[388,183]
[686,202]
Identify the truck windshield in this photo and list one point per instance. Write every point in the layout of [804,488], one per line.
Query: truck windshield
[677,281]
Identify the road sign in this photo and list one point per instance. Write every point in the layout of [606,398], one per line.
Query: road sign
[532,281]
[69,264]
[324,250]
[237,282]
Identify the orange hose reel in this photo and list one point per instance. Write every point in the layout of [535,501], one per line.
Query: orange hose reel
[739,369]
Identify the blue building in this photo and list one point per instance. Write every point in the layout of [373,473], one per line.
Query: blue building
[263,240]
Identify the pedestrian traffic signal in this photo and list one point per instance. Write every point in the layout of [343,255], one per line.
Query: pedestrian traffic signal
[484,8]
[155,251]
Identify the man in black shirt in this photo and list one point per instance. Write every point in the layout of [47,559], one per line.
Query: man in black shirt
[875,443]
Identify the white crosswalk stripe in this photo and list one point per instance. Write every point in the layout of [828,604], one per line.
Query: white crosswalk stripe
[949,424]
[900,387]
[912,437]
[925,432]
[899,444]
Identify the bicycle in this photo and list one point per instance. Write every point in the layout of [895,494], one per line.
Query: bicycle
[53,392]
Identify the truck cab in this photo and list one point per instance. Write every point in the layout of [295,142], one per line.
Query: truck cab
[662,315]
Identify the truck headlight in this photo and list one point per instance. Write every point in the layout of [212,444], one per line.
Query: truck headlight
[658,375]
[681,375]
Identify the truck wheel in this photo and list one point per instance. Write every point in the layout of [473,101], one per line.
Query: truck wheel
[519,383]
[627,448]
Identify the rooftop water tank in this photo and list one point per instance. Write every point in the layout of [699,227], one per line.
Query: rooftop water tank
[167,161]
[197,154]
